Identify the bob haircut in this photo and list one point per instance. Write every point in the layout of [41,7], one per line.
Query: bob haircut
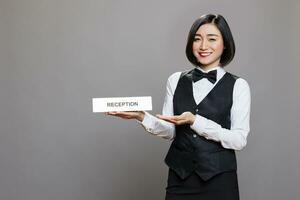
[221,24]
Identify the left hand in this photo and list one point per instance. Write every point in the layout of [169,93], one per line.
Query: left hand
[184,118]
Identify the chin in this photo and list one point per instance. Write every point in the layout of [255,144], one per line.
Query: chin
[204,64]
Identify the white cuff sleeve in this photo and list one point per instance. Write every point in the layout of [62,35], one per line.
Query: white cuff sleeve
[158,127]
[202,126]
[148,122]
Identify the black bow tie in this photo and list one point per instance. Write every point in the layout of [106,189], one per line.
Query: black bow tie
[211,76]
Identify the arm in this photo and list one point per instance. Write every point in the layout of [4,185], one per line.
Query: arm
[159,127]
[235,137]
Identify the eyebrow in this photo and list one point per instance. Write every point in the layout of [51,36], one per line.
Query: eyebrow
[210,34]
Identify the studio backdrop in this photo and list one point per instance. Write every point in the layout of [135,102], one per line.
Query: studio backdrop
[56,55]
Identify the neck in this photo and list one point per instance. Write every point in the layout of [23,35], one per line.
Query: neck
[208,68]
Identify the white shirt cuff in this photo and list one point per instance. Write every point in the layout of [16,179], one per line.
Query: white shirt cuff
[201,127]
[148,122]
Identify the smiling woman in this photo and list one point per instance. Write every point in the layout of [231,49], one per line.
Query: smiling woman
[211,31]
[206,115]
[208,45]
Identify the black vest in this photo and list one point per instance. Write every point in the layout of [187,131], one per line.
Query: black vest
[188,153]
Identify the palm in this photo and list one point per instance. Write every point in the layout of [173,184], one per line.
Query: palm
[125,114]
[184,118]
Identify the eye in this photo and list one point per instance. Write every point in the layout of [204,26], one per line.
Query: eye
[212,39]
[197,39]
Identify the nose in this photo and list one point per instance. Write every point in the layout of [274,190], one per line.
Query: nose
[203,45]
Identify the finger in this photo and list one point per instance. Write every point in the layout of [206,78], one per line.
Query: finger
[181,117]
[159,116]
[110,113]
[123,112]
[173,120]
[181,122]
[121,115]
[169,120]
[166,117]
[176,117]
[131,113]
[115,114]
[126,115]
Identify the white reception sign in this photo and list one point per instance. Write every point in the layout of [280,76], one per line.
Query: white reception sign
[122,104]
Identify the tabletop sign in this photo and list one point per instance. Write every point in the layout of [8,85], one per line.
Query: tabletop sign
[122,104]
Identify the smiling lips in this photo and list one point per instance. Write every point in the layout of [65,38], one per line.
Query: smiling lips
[204,54]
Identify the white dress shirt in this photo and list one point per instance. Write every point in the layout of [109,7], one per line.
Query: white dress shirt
[233,138]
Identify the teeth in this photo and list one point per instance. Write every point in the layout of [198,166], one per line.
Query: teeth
[205,54]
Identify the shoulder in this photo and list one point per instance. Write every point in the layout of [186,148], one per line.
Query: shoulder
[172,82]
[238,81]
[174,78]
[241,88]
[241,83]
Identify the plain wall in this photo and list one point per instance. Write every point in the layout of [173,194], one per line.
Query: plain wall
[56,55]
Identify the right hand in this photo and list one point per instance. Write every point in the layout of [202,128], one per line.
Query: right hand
[139,115]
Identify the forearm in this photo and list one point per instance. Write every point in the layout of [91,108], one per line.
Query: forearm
[234,138]
[158,127]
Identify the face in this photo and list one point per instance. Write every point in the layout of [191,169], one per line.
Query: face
[208,46]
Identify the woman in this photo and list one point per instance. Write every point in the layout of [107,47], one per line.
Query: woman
[206,114]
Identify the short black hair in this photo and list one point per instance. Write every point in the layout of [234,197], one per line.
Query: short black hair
[221,24]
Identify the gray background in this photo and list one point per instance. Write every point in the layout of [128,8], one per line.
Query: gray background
[56,55]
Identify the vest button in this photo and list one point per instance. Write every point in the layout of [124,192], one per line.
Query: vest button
[197,110]
[194,135]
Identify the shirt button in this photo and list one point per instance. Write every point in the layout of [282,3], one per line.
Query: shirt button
[194,135]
